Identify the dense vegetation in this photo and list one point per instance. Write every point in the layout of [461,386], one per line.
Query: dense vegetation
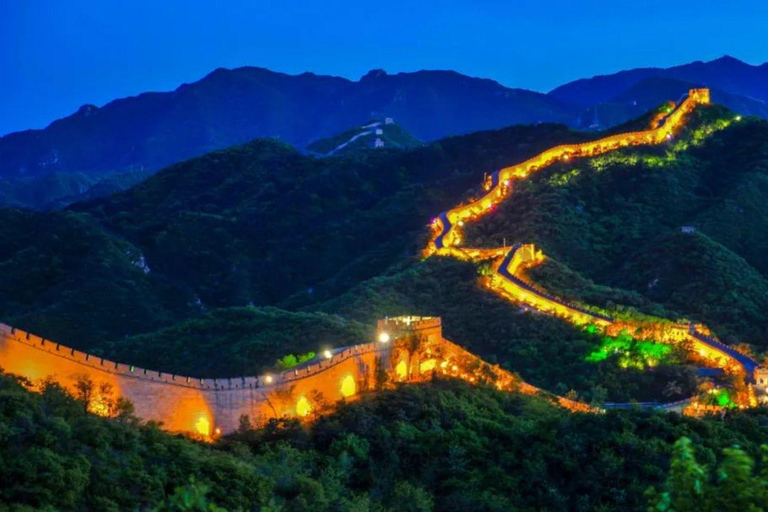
[735,484]
[225,264]
[262,225]
[616,219]
[250,225]
[237,341]
[443,446]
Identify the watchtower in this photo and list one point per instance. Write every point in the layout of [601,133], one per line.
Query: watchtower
[428,328]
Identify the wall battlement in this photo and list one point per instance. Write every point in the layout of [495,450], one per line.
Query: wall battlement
[209,407]
[181,403]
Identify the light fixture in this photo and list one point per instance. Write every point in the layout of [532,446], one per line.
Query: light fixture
[327,354]
[383,337]
[268,379]
[738,118]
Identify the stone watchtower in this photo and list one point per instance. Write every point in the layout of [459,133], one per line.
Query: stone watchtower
[412,338]
[427,327]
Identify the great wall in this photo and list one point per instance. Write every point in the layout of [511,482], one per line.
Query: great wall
[508,263]
[407,349]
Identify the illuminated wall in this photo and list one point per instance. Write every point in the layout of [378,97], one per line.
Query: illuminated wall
[209,407]
[507,281]
[197,406]
[501,182]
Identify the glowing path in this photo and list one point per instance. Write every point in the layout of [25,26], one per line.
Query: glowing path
[506,281]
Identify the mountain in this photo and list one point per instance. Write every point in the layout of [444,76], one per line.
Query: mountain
[250,225]
[617,219]
[98,150]
[375,134]
[608,100]
[227,107]
[726,73]
[263,225]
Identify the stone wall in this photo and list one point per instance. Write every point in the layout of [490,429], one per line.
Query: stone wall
[201,406]
[444,224]
[414,351]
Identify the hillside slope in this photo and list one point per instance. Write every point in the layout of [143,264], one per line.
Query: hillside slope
[375,134]
[228,107]
[263,225]
[260,222]
[445,447]
[597,214]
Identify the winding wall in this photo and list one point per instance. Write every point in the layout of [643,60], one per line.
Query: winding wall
[209,407]
[506,279]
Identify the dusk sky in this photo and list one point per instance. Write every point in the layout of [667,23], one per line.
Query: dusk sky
[56,55]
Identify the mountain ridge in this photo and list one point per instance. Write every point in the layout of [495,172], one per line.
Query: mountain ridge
[138,135]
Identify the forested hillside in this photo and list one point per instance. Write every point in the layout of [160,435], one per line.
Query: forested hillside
[261,225]
[144,133]
[224,264]
[443,446]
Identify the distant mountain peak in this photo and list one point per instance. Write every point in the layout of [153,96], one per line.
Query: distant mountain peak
[729,59]
[373,74]
[86,110]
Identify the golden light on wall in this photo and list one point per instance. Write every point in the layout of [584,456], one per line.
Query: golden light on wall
[428,365]
[303,407]
[401,370]
[203,425]
[348,386]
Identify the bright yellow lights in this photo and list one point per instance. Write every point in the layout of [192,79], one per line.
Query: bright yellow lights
[401,370]
[383,337]
[303,407]
[348,386]
[268,379]
[203,425]
[327,354]
[428,365]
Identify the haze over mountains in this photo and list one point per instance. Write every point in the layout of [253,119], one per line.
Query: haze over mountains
[96,151]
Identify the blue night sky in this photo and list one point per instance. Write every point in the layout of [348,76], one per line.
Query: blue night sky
[56,55]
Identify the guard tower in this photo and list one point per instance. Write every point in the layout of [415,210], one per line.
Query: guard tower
[428,328]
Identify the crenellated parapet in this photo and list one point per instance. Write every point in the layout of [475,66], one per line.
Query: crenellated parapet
[406,350]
